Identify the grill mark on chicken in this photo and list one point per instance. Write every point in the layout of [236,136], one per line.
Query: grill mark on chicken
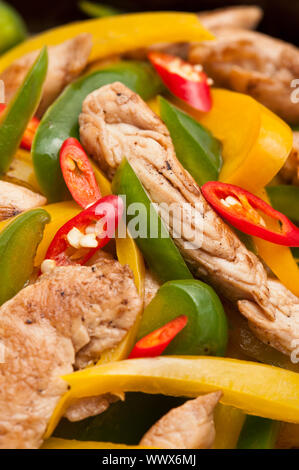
[46,334]
[190,426]
[222,260]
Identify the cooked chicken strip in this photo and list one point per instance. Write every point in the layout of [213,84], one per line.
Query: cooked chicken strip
[89,406]
[15,199]
[190,426]
[252,63]
[66,62]
[116,122]
[245,17]
[290,170]
[67,317]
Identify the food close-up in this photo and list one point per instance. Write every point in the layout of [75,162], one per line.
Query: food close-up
[149,227]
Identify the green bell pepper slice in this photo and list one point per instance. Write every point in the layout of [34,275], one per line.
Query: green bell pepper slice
[196,148]
[285,199]
[98,10]
[206,332]
[160,252]
[21,109]
[258,433]
[61,119]
[18,245]
[12,27]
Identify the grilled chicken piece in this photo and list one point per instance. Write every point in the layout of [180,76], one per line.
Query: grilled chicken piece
[89,406]
[66,62]
[15,199]
[290,170]
[67,318]
[115,122]
[245,17]
[252,63]
[190,426]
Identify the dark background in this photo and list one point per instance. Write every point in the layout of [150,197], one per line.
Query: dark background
[281,16]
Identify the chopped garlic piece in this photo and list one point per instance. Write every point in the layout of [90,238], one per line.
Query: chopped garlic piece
[90,229]
[74,237]
[230,201]
[47,266]
[89,241]
[262,222]
[198,68]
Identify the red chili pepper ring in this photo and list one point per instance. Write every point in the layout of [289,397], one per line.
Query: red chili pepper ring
[245,211]
[183,79]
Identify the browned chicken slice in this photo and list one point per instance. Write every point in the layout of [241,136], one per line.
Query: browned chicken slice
[116,122]
[66,62]
[15,199]
[67,318]
[190,426]
[252,63]
[245,17]
[290,170]
[89,406]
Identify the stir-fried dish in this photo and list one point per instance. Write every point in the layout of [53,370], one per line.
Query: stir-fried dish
[149,234]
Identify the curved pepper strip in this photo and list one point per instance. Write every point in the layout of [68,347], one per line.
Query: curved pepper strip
[228,425]
[255,388]
[98,10]
[21,171]
[61,120]
[279,258]
[14,120]
[206,331]
[119,34]
[195,147]
[248,213]
[285,198]
[160,252]
[57,443]
[127,253]
[263,142]
[18,243]
[255,142]
[258,433]
[60,213]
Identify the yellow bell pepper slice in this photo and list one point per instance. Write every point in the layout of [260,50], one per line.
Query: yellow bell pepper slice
[127,253]
[57,443]
[255,388]
[228,424]
[104,184]
[279,258]
[255,142]
[119,34]
[126,249]
[60,213]
[21,170]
